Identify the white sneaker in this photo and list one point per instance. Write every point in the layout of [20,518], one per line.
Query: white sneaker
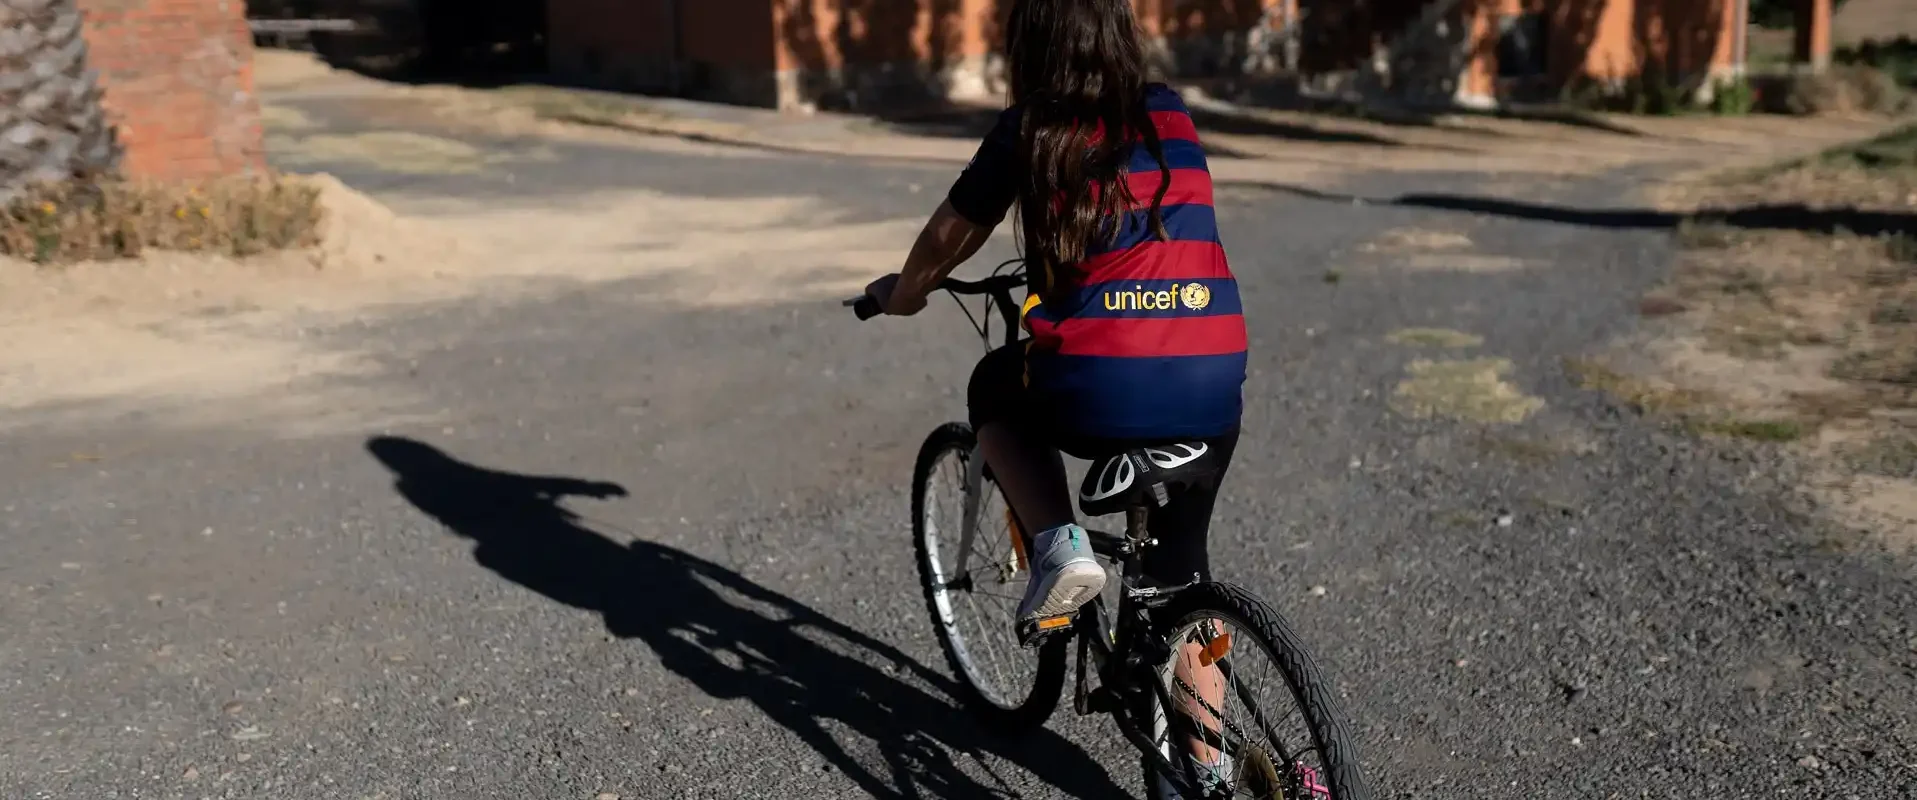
[1065,574]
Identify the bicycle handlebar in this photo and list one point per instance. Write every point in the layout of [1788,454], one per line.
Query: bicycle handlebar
[1000,286]
[866,306]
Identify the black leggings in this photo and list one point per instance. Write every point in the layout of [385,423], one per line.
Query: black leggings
[997,394]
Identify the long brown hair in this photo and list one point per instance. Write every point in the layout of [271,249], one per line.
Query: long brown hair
[1077,66]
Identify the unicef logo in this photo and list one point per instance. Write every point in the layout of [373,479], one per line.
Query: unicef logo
[1191,296]
[1195,296]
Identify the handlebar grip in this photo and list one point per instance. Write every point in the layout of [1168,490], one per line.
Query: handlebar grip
[867,307]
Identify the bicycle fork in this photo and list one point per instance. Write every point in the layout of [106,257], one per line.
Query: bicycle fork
[968,524]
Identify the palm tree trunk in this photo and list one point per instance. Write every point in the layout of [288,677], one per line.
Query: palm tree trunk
[52,123]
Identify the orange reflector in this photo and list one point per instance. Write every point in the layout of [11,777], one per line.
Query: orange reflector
[1018,539]
[1217,649]
[1054,622]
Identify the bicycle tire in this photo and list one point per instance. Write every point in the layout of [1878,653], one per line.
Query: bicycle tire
[1049,681]
[1324,715]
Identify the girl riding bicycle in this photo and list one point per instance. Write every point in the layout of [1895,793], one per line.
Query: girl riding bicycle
[1136,333]
[1137,336]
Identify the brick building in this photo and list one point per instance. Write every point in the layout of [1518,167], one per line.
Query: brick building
[785,53]
[178,82]
[1481,52]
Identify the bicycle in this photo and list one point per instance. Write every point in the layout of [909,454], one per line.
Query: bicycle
[1128,652]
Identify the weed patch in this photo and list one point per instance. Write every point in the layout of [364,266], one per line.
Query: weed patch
[1762,430]
[1896,58]
[1802,333]
[1890,456]
[58,223]
[1704,232]
[1896,149]
[1840,89]
[1643,396]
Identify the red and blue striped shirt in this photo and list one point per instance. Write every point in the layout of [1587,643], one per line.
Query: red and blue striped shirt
[1144,339]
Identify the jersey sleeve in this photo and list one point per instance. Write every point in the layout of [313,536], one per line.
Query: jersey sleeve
[988,187]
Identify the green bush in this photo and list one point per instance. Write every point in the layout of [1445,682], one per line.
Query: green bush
[1735,97]
[1647,93]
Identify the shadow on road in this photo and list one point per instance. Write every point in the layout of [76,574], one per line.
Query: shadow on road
[731,637]
[975,121]
[1775,217]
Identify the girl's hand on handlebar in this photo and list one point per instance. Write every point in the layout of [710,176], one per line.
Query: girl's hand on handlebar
[885,291]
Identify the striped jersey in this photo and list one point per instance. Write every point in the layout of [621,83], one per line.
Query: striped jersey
[1144,339]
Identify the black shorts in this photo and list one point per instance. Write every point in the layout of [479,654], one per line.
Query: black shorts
[997,394]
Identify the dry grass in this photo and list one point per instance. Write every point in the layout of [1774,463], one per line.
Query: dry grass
[1802,332]
[1763,430]
[1764,295]
[1692,409]
[1643,395]
[1891,455]
[1472,389]
[1841,89]
[1434,337]
[62,223]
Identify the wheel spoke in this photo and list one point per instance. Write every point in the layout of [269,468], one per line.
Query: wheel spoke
[1267,757]
[982,597]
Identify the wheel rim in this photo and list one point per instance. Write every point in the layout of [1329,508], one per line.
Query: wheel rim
[1265,731]
[976,616]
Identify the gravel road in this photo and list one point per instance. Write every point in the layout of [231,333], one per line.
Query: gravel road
[645,551]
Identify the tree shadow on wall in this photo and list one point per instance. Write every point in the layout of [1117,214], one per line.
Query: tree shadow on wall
[1663,65]
[910,53]
[896,60]
[911,99]
[730,637]
[1670,47]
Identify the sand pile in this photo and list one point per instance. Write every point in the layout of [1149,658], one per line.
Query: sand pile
[360,234]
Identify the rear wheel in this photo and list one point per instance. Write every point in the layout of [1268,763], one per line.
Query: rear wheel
[973,571]
[1243,678]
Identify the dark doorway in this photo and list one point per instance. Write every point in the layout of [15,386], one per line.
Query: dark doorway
[1521,46]
[469,41]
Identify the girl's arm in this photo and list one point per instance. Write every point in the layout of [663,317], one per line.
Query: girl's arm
[947,241]
[979,200]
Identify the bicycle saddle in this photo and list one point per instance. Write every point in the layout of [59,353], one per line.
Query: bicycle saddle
[1143,476]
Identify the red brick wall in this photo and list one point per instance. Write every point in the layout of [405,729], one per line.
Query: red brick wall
[178,78]
[728,33]
[620,43]
[629,44]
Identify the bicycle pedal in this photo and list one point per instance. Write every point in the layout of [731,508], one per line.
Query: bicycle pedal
[1034,632]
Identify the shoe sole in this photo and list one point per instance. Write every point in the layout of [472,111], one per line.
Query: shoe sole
[1073,585]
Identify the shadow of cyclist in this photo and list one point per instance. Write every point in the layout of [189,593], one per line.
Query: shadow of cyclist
[728,635]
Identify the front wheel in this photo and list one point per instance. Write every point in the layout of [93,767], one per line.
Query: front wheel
[1250,712]
[973,571]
